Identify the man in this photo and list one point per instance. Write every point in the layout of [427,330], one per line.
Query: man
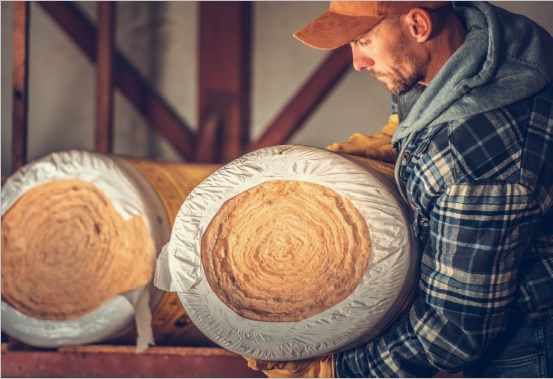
[475,165]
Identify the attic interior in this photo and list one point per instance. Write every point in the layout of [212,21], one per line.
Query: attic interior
[223,90]
[221,131]
[222,134]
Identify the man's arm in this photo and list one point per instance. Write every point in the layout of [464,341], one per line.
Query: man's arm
[478,233]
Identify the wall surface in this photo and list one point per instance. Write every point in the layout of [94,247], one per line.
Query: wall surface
[160,38]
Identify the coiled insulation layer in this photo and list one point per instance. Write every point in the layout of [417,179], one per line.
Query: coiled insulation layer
[290,252]
[80,234]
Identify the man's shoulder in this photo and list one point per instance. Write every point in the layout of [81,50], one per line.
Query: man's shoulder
[504,128]
[499,143]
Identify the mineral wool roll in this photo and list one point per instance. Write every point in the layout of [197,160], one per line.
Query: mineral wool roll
[80,235]
[84,245]
[290,252]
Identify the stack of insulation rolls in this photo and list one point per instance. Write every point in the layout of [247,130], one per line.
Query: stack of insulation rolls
[80,236]
[291,252]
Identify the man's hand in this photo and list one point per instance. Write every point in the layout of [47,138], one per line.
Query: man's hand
[378,146]
[318,367]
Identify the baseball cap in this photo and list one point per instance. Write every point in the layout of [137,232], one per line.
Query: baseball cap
[346,20]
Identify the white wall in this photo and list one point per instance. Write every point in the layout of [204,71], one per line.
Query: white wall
[160,39]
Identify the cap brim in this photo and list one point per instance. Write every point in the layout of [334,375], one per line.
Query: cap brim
[332,30]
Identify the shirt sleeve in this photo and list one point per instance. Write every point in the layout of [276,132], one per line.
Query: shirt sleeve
[477,235]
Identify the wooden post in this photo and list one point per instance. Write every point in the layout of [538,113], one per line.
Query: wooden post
[20,74]
[104,76]
[224,79]
[126,77]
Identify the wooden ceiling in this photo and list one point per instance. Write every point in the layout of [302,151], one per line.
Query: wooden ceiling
[223,125]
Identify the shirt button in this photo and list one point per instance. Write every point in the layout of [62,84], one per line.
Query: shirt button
[406,156]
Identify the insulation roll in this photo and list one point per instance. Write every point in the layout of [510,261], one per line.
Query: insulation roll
[80,235]
[290,252]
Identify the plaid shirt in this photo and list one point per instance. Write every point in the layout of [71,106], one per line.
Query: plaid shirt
[481,190]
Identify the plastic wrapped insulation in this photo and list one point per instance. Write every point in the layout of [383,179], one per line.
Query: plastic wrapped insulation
[377,299]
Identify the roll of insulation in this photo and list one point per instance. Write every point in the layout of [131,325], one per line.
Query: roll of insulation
[290,252]
[80,235]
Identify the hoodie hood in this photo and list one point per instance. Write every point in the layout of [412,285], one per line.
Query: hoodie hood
[505,58]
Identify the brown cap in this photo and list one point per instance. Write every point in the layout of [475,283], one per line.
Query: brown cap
[346,20]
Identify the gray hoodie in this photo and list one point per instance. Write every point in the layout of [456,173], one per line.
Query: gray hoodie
[504,59]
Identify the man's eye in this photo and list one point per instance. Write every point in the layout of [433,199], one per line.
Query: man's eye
[361,43]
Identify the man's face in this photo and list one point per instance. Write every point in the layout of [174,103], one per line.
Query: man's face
[385,51]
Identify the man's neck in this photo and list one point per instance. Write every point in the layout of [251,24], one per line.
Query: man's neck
[442,47]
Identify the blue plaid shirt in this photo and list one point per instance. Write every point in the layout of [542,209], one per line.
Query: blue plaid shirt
[481,192]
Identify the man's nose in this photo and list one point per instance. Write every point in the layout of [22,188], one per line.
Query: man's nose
[360,61]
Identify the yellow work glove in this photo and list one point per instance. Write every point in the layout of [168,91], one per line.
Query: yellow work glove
[377,146]
[318,367]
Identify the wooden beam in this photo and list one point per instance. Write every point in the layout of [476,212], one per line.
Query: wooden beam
[104,76]
[306,100]
[137,90]
[108,361]
[224,78]
[20,74]
[209,139]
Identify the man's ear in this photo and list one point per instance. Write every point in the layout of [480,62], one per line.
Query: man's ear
[419,23]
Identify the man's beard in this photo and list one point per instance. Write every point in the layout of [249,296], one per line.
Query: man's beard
[403,74]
